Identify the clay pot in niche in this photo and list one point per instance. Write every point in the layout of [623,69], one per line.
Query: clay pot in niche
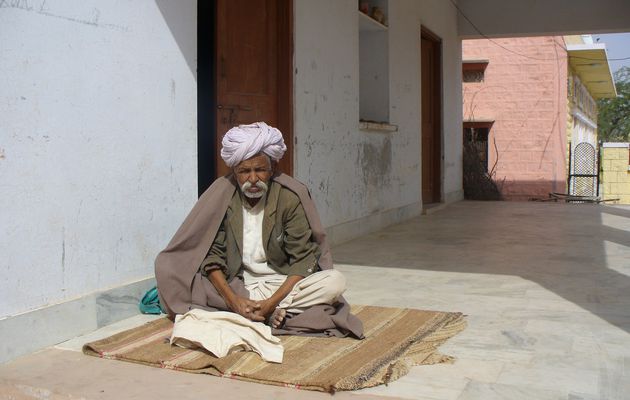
[378,14]
[364,7]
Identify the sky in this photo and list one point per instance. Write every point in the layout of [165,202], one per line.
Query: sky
[617,46]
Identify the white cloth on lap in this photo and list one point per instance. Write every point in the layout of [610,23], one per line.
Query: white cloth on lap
[222,332]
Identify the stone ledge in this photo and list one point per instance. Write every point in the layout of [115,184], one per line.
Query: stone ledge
[37,329]
[377,127]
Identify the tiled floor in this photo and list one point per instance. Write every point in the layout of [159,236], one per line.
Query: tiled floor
[546,288]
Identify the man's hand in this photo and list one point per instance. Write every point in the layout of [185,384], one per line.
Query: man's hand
[273,316]
[265,308]
[240,305]
[246,307]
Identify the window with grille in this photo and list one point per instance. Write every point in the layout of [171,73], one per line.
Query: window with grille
[474,70]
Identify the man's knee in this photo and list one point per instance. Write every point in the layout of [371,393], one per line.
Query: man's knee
[335,284]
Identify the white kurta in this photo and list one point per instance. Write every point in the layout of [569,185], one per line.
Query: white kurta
[323,287]
[254,258]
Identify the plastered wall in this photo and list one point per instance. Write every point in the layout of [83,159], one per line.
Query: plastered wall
[352,173]
[98,135]
[97,143]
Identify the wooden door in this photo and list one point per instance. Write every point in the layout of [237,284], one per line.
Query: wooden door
[431,82]
[253,66]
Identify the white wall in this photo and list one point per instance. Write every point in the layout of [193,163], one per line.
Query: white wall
[374,76]
[354,174]
[97,143]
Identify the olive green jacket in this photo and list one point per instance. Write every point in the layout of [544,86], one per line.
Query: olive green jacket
[287,237]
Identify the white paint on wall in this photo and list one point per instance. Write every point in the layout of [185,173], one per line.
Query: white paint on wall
[354,174]
[98,144]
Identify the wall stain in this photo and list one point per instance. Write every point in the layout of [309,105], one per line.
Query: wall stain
[323,187]
[2,155]
[173,90]
[376,162]
[63,257]
[79,211]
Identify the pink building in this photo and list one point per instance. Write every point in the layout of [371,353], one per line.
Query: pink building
[515,98]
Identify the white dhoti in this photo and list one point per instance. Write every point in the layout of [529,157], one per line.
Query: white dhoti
[323,287]
[223,332]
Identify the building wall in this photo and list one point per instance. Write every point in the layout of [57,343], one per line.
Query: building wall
[526,96]
[97,143]
[615,172]
[361,180]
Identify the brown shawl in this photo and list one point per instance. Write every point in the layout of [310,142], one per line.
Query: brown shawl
[177,265]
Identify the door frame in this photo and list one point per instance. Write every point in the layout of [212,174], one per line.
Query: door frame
[285,79]
[207,88]
[438,110]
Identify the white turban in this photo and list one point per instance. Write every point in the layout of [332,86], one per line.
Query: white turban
[245,141]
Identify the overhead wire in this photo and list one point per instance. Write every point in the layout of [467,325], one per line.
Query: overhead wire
[459,10]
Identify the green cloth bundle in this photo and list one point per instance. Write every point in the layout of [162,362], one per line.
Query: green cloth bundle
[150,303]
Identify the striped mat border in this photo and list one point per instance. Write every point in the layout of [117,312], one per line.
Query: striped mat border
[395,340]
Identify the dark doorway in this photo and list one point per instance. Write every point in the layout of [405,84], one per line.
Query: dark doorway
[431,81]
[245,64]
[476,138]
[206,102]
[236,84]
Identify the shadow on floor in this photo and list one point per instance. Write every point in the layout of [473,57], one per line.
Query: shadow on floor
[580,252]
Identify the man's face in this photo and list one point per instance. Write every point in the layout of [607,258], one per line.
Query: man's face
[253,175]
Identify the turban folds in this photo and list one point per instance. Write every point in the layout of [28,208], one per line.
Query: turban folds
[245,141]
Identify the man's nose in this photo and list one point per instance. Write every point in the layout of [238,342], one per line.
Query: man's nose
[253,177]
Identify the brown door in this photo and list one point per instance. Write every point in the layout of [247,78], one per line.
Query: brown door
[431,117]
[253,64]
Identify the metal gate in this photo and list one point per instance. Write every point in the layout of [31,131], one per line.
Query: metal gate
[583,177]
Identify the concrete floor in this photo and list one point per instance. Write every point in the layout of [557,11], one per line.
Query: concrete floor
[546,288]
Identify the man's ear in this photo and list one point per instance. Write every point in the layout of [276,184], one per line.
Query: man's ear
[274,166]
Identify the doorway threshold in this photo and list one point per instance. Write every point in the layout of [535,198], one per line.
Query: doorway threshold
[431,208]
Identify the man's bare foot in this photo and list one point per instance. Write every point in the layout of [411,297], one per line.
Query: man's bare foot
[276,319]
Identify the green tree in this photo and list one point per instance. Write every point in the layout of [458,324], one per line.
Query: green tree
[614,114]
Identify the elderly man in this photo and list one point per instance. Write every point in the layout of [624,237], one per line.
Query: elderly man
[254,245]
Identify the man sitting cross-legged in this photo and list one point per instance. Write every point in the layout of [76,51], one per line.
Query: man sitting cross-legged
[253,245]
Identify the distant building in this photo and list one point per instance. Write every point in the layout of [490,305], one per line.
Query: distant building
[529,106]
[615,172]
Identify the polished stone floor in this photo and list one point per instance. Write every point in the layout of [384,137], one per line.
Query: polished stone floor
[546,288]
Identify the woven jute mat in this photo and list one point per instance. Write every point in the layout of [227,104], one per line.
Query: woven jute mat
[395,340]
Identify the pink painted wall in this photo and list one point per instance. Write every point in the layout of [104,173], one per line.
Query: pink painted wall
[527,99]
